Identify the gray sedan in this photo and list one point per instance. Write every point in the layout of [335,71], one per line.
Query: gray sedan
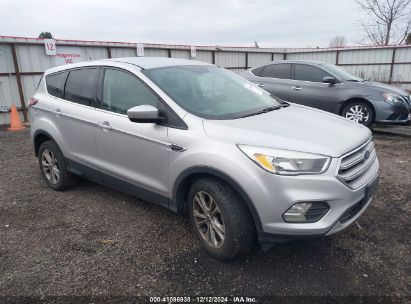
[331,88]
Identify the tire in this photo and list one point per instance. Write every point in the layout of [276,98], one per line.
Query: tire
[232,213]
[359,112]
[50,153]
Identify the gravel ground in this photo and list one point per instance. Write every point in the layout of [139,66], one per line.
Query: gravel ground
[93,241]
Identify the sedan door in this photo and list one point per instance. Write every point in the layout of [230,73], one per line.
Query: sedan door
[132,156]
[308,88]
[274,78]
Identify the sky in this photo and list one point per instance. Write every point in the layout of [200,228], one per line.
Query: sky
[273,23]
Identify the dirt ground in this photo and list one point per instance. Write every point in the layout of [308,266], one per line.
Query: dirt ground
[95,242]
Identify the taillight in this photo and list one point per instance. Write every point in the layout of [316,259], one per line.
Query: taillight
[33,101]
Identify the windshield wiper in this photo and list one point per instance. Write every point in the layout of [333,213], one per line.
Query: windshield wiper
[265,110]
[282,102]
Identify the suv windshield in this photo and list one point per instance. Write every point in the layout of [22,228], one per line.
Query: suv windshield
[342,73]
[212,92]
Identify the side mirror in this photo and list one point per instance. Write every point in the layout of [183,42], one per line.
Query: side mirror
[330,80]
[144,114]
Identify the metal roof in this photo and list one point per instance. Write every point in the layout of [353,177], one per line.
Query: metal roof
[141,62]
[155,62]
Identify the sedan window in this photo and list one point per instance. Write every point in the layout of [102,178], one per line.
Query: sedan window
[309,73]
[280,71]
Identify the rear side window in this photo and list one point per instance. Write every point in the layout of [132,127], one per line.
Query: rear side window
[122,91]
[281,71]
[55,84]
[309,73]
[81,86]
[258,71]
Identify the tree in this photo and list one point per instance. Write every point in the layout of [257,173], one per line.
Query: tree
[45,35]
[338,41]
[408,40]
[389,20]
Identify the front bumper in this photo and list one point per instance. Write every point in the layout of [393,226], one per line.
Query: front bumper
[276,194]
[392,113]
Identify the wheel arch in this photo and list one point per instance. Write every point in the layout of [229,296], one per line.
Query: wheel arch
[357,99]
[187,177]
[39,137]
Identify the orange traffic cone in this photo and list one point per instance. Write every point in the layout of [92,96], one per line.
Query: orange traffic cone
[15,122]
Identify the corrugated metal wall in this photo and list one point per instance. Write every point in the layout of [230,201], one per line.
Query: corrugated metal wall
[383,64]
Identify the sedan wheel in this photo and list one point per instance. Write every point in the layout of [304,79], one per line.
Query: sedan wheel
[50,166]
[358,113]
[209,220]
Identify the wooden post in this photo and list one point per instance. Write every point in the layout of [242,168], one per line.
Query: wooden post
[337,57]
[19,85]
[108,52]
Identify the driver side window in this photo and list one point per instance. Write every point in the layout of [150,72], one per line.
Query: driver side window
[122,91]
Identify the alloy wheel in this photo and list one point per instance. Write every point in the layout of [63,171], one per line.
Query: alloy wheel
[209,220]
[358,113]
[50,166]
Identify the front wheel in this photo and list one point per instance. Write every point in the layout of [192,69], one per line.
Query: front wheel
[220,219]
[359,112]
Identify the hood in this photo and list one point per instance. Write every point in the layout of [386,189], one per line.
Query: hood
[384,87]
[296,127]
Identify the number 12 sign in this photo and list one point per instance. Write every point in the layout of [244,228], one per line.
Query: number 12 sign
[50,46]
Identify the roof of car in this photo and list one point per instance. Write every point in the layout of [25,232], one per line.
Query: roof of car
[156,62]
[142,62]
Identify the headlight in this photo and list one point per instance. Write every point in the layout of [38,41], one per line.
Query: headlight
[286,162]
[392,98]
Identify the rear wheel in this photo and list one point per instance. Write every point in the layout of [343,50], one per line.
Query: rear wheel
[54,167]
[220,219]
[359,112]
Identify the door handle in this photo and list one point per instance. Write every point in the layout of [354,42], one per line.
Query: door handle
[260,85]
[105,125]
[297,88]
[57,112]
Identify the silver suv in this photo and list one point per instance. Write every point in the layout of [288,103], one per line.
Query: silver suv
[201,140]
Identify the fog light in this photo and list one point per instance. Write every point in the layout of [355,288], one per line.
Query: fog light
[306,212]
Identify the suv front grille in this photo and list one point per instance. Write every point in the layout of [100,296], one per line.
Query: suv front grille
[359,166]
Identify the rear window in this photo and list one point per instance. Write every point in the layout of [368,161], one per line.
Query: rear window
[81,86]
[281,71]
[55,84]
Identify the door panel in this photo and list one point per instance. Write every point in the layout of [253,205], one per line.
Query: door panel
[317,95]
[275,79]
[309,90]
[78,128]
[276,87]
[75,113]
[137,153]
[133,152]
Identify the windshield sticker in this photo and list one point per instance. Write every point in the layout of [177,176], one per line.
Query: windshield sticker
[253,88]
